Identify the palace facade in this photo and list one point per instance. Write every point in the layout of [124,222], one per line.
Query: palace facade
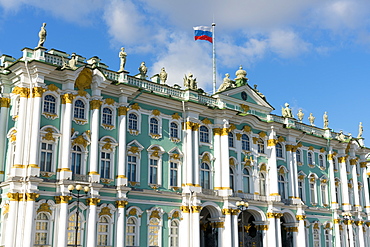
[166,166]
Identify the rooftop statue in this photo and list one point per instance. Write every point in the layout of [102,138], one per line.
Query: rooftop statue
[241,78]
[300,115]
[258,92]
[311,118]
[72,63]
[326,120]
[360,130]
[122,55]
[42,35]
[163,76]
[341,136]
[286,112]
[190,82]
[228,83]
[143,70]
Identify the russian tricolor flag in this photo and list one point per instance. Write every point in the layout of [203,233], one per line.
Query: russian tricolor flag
[203,33]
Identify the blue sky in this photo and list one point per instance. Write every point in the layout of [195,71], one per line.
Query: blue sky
[312,54]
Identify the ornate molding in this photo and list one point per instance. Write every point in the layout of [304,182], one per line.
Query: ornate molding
[67,98]
[95,104]
[5,102]
[44,207]
[121,204]
[122,110]
[38,91]
[185,209]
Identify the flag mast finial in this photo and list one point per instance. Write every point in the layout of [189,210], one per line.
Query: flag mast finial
[214,57]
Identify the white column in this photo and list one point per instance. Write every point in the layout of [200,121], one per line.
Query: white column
[196,156]
[234,220]
[278,229]
[122,147]
[337,240]
[120,227]
[350,231]
[291,181]
[63,221]
[94,146]
[239,167]
[272,166]
[184,237]
[225,164]
[217,155]
[333,202]
[366,186]
[344,180]
[271,232]
[11,224]
[92,222]
[301,235]
[295,171]
[64,165]
[226,231]
[20,219]
[195,226]
[360,233]
[353,163]
[29,217]
[189,154]
[4,113]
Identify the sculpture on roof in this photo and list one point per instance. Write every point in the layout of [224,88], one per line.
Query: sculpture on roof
[360,130]
[326,120]
[258,92]
[300,115]
[286,112]
[311,118]
[42,35]
[341,137]
[228,83]
[190,82]
[163,75]
[122,56]
[143,70]
[72,63]
[241,78]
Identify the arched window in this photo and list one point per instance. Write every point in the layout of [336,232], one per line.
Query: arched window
[105,165]
[131,168]
[79,111]
[103,231]
[245,142]
[321,161]
[316,235]
[281,184]
[246,181]
[231,139]
[261,146]
[71,231]
[107,116]
[46,157]
[174,233]
[173,173]
[153,232]
[205,178]
[76,165]
[232,180]
[309,156]
[204,134]
[132,121]
[298,156]
[132,232]
[174,131]
[42,229]
[49,104]
[327,238]
[279,150]
[154,126]
[262,184]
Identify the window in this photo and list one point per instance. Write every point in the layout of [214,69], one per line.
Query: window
[324,194]
[313,191]
[298,156]
[174,130]
[205,179]
[76,160]
[105,164]
[279,150]
[231,140]
[309,155]
[49,104]
[154,126]
[132,231]
[232,180]
[71,231]
[246,181]
[327,238]
[316,236]
[281,184]
[103,230]
[301,190]
[338,193]
[133,121]
[46,158]
[261,146]
[174,233]
[245,142]
[173,174]
[131,165]
[262,184]
[153,171]
[42,229]
[107,116]
[153,232]
[79,111]
[204,134]
[321,161]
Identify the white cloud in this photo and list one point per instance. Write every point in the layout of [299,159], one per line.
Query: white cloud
[287,43]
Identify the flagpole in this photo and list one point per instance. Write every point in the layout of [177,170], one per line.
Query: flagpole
[214,57]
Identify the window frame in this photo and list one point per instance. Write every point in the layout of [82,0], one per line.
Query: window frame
[202,173]
[78,120]
[176,236]
[159,217]
[138,120]
[279,150]
[231,139]
[246,178]
[204,136]
[108,224]
[245,142]
[104,115]
[49,114]
[48,231]
[261,146]
[155,153]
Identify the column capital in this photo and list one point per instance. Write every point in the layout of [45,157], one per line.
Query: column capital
[122,110]
[272,142]
[67,98]
[38,91]
[217,131]
[363,164]
[300,217]
[353,161]
[185,209]
[62,199]
[32,196]
[262,227]
[342,159]
[95,104]
[13,196]
[121,204]
[336,221]
[92,201]
[22,91]
[5,102]
[196,209]
[227,211]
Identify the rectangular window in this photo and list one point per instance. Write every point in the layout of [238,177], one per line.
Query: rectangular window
[153,171]
[131,168]
[105,161]
[300,190]
[173,174]
[46,158]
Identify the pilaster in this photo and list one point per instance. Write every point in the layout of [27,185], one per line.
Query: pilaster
[92,221]
[94,146]
[121,178]
[120,227]
[343,176]
[272,165]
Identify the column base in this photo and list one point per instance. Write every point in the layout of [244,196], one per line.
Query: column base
[121,180]
[274,197]
[296,201]
[191,188]
[64,174]
[346,207]
[94,177]
[33,170]
[17,171]
[224,192]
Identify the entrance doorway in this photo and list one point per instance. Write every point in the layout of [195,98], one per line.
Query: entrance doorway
[249,235]
[208,230]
